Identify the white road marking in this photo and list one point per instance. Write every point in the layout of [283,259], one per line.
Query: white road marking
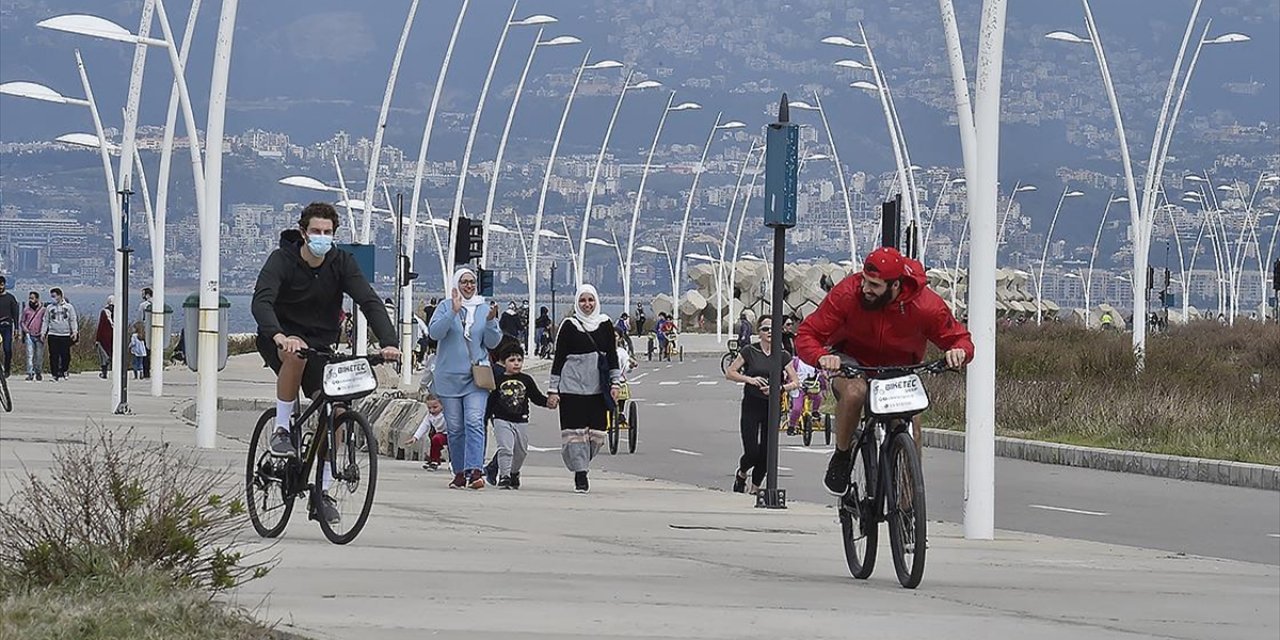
[687,453]
[640,377]
[661,404]
[697,377]
[1273,535]
[706,383]
[784,468]
[543,449]
[668,383]
[1066,510]
[799,449]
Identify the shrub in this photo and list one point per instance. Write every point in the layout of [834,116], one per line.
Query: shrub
[114,504]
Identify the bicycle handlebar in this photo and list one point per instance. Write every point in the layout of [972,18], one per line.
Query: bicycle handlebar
[859,371]
[374,359]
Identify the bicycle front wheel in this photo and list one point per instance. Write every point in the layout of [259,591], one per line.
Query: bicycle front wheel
[6,401]
[614,435]
[907,523]
[266,496]
[353,471]
[859,524]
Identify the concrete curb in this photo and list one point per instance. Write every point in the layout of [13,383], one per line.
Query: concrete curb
[1236,474]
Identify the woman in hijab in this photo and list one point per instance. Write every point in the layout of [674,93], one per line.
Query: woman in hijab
[465,328]
[584,383]
[105,336]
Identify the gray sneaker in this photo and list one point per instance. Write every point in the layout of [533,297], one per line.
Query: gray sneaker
[282,445]
[329,509]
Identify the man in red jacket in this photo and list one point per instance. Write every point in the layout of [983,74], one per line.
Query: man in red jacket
[880,317]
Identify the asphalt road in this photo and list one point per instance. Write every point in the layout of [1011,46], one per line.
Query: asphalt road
[688,433]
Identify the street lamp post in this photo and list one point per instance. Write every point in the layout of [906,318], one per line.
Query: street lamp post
[688,207]
[644,176]
[721,280]
[546,181]
[737,239]
[1018,187]
[1093,256]
[1048,237]
[595,174]
[506,131]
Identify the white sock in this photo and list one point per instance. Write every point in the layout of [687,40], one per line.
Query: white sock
[284,411]
[327,478]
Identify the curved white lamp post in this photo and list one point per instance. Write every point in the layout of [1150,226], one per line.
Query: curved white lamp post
[644,176]
[506,131]
[1018,187]
[688,206]
[601,242]
[742,218]
[375,153]
[595,174]
[1048,237]
[831,142]
[546,181]
[1093,256]
[721,280]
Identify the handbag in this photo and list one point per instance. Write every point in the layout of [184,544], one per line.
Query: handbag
[602,365]
[481,372]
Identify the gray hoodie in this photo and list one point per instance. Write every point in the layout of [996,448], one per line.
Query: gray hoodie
[60,320]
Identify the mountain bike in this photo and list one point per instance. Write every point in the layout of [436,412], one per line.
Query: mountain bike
[346,447]
[886,483]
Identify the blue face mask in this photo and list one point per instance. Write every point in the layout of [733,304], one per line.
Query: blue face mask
[319,244]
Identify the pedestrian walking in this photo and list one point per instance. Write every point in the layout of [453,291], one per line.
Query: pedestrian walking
[145,309]
[61,330]
[585,377]
[32,326]
[465,327]
[509,412]
[10,313]
[105,336]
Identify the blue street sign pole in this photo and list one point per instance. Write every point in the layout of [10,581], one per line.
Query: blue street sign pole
[782,152]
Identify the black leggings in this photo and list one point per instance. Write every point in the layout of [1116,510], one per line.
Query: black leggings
[755,438]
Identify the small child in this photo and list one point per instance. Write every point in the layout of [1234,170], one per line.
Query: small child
[509,409]
[432,426]
[138,348]
[813,383]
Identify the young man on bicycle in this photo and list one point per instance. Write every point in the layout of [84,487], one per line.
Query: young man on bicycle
[297,303]
[880,317]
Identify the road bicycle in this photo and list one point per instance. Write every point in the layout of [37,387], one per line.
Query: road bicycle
[886,483]
[346,448]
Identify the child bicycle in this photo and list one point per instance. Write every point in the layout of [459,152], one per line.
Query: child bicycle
[347,449]
[886,483]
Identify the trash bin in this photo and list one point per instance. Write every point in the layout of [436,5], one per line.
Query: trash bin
[191,309]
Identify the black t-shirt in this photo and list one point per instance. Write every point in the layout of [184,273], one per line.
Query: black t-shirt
[756,363]
[510,400]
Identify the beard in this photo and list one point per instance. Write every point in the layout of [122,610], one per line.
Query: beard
[875,303]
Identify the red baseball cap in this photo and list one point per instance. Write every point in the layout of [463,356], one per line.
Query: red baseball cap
[885,263]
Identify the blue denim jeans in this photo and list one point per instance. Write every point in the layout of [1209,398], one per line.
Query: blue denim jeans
[35,355]
[464,424]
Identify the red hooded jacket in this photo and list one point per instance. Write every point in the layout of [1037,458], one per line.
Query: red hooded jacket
[890,336]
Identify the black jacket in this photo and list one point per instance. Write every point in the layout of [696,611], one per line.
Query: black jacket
[510,400]
[295,299]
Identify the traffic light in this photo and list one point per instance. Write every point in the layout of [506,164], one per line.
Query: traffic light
[468,241]
[404,275]
[484,278]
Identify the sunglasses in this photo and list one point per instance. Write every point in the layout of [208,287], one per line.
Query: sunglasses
[466,282]
[766,329]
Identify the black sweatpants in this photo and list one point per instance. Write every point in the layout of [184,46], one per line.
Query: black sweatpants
[59,355]
[755,438]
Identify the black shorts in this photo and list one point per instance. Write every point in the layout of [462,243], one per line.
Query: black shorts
[312,376]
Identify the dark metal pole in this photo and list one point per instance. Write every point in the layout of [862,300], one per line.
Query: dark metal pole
[401,267]
[553,292]
[122,332]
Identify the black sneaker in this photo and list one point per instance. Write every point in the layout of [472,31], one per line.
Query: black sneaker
[329,509]
[515,481]
[580,484]
[836,481]
[504,482]
[281,445]
[739,483]
[491,471]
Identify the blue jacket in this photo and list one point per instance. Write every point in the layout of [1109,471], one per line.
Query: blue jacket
[453,362]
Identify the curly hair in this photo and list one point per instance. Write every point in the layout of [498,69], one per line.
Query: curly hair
[319,210]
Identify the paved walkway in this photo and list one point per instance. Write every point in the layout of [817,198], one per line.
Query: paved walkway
[638,558]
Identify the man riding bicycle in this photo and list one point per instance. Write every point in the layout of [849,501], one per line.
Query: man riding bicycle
[297,303]
[880,317]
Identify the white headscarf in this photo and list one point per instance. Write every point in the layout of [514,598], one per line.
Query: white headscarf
[589,322]
[469,305]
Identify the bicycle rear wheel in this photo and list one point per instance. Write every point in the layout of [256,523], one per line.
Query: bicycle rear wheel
[858,518]
[268,500]
[632,424]
[907,522]
[354,480]
[6,401]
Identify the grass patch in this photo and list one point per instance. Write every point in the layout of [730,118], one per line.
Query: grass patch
[1196,397]
[135,605]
